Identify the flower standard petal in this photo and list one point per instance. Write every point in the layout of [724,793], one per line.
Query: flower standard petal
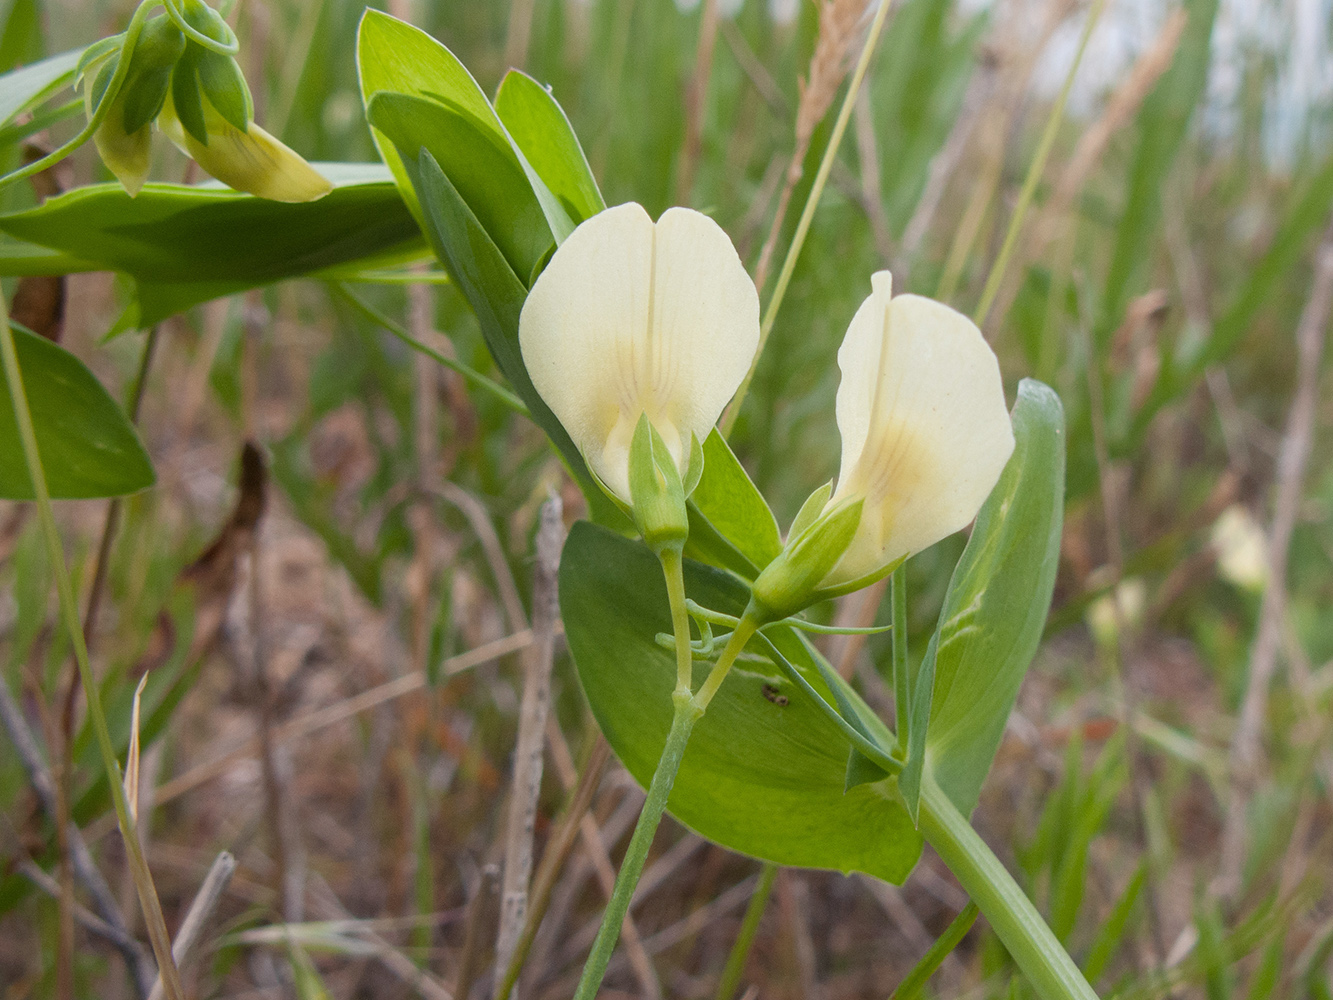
[632,318]
[579,329]
[705,324]
[926,432]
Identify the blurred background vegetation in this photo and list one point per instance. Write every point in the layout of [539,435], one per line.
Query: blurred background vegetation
[1164,787]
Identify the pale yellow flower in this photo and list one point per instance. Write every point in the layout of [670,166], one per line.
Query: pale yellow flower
[925,430]
[632,317]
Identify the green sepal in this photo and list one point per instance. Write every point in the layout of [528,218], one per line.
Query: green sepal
[656,493]
[94,54]
[694,469]
[185,95]
[148,76]
[790,582]
[224,87]
[144,97]
[810,510]
[860,583]
[101,82]
[861,770]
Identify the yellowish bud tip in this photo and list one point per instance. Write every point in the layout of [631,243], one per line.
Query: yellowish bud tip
[251,161]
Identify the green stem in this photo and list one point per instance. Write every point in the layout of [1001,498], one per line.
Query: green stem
[688,711]
[682,724]
[808,213]
[740,951]
[69,610]
[227,48]
[1016,921]
[902,695]
[915,981]
[673,570]
[471,375]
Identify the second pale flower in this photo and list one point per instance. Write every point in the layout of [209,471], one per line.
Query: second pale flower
[925,431]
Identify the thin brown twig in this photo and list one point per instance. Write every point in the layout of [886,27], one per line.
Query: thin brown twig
[558,849]
[839,22]
[321,718]
[198,915]
[479,520]
[595,847]
[533,711]
[1246,745]
[482,913]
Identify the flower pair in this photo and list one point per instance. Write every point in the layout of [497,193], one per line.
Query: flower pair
[636,326]
[198,97]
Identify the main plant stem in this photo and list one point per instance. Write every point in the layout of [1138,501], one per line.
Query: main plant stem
[689,708]
[1016,921]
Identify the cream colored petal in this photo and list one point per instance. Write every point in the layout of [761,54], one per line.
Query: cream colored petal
[925,429]
[581,332]
[705,325]
[251,161]
[631,318]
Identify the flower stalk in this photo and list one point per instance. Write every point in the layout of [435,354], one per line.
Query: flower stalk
[688,709]
[1016,922]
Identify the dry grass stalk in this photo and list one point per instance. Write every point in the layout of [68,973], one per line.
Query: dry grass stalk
[839,24]
[1246,748]
[200,912]
[531,730]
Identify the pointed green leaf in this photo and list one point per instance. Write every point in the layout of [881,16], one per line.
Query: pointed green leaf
[395,58]
[861,770]
[762,775]
[32,85]
[208,240]
[997,601]
[88,446]
[496,296]
[479,164]
[538,126]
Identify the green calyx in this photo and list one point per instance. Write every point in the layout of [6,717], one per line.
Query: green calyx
[819,537]
[144,91]
[201,75]
[657,492]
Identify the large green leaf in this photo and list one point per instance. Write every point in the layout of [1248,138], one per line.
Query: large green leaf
[394,57]
[27,87]
[88,446]
[765,771]
[187,244]
[997,601]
